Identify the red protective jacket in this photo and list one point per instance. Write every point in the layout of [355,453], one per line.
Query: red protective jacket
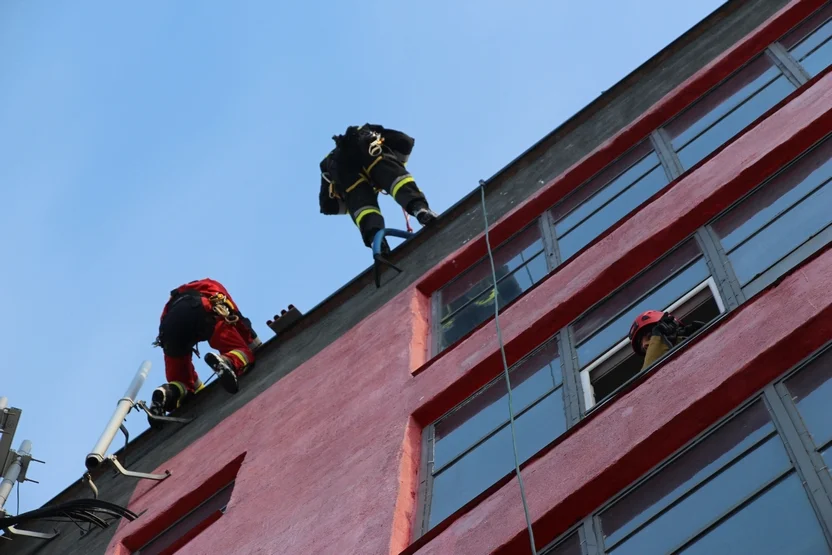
[207,287]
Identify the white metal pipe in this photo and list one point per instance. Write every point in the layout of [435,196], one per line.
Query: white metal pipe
[96,456]
[14,471]
[4,403]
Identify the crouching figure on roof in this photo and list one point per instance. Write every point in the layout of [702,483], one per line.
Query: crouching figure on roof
[368,160]
[654,333]
[201,310]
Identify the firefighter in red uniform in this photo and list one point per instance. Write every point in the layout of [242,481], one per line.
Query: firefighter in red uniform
[201,310]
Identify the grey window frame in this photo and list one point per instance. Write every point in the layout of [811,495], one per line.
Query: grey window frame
[669,160]
[426,470]
[788,427]
[726,284]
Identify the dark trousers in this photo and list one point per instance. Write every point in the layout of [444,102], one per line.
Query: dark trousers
[385,173]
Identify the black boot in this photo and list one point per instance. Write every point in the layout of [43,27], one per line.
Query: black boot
[165,399]
[225,371]
[419,209]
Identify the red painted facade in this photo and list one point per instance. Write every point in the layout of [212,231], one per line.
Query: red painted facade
[327,459]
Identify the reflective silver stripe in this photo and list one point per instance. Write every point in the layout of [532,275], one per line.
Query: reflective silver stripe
[355,214]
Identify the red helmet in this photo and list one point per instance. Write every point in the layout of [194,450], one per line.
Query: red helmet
[637,330]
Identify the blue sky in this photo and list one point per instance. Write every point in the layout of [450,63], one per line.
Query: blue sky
[146,144]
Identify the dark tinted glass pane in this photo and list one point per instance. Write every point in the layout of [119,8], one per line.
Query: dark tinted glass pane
[722,100]
[488,408]
[775,196]
[587,324]
[733,123]
[569,546]
[609,174]
[509,287]
[658,300]
[783,235]
[779,522]
[613,188]
[494,458]
[612,212]
[694,467]
[510,255]
[811,390]
[711,501]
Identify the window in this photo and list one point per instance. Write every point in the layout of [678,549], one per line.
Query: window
[781,223]
[679,283]
[735,491]
[811,391]
[189,526]
[727,110]
[607,197]
[810,43]
[618,189]
[468,301]
[470,447]
[571,545]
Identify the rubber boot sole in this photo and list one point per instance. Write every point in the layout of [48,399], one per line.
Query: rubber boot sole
[226,374]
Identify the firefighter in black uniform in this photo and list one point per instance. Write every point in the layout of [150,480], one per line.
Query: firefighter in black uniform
[367,160]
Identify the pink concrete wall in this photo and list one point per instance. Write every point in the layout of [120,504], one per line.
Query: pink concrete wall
[332,451]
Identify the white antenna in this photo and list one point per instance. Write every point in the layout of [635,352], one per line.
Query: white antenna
[98,454]
[16,464]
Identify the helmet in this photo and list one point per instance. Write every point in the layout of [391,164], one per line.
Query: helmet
[637,330]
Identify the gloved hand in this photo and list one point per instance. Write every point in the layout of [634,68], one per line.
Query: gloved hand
[667,328]
[691,328]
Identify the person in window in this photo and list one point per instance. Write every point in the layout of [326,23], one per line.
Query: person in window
[367,160]
[482,308]
[201,310]
[654,333]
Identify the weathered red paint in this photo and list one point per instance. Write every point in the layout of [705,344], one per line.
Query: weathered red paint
[672,103]
[332,451]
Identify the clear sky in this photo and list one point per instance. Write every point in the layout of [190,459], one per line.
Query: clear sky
[146,144]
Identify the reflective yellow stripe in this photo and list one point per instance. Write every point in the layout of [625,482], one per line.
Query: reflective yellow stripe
[199,387]
[240,355]
[487,300]
[356,184]
[400,184]
[364,213]
[373,165]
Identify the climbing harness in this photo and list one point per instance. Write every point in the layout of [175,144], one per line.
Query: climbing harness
[505,371]
[376,145]
[223,307]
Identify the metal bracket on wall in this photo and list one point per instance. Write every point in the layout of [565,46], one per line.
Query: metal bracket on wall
[11,530]
[378,259]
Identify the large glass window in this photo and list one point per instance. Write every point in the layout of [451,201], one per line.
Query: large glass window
[606,198]
[781,223]
[468,301]
[811,43]
[727,109]
[679,283]
[471,445]
[811,391]
[736,491]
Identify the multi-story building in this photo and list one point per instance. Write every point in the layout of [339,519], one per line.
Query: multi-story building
[379,423]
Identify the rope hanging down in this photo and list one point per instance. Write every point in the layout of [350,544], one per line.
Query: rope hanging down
[505,370]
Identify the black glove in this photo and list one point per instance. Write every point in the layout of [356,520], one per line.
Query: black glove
[668,328]
[692,328]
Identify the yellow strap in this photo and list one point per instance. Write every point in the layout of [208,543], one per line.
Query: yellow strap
[373,165]
[356,184]
[239,355]
[400,184]
[364,213]
[199,387]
